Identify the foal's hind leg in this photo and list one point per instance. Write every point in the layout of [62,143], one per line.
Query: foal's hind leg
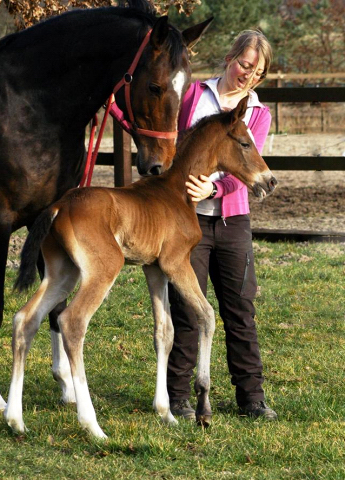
[73,323]
[60,368]
[52,290]
[163,337]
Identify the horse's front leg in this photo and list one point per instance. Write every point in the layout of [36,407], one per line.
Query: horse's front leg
[5,234]
[163,337]
[185,281]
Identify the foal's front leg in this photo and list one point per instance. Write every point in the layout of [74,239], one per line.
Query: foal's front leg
[186,282]
[163,337]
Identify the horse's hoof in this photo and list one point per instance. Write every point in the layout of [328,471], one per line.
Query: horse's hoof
[204,420]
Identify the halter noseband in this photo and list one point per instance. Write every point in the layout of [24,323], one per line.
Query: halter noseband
[117,113]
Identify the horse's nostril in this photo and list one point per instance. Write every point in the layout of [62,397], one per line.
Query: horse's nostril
[156,170]
[272,183]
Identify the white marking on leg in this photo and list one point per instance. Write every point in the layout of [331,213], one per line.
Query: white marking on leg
[2,404]
[14,410]
[164,337]
[86,412]
[61,368]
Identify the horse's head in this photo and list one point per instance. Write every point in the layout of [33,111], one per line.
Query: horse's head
[236,153]
[157,89]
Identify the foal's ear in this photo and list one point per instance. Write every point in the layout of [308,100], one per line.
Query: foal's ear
[240,110]
[192,34]
[159,33]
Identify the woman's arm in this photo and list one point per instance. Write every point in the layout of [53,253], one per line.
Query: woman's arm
[202,187]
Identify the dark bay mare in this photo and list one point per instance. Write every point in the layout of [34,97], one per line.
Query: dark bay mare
[55,76]
[150,223]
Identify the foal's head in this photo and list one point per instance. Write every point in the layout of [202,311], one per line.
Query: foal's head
[236,153]
[157,90]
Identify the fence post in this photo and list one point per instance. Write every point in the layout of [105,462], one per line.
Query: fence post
[277,105]
[122,156]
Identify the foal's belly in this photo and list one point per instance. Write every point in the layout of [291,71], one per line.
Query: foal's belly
[138,254]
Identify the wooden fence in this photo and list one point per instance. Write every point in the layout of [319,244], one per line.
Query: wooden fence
[122,157]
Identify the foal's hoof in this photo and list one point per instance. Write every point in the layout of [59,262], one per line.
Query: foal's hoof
[2,404]
[204,420]
[17,426]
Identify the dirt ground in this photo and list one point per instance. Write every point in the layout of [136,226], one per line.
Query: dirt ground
[304,200]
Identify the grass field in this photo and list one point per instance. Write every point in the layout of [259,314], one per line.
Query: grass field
[301,326]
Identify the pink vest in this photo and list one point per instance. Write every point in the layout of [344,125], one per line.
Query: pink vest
[233,192]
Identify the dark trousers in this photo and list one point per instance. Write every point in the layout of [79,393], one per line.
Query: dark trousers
[225,252]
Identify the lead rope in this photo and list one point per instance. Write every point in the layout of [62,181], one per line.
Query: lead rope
[92,155]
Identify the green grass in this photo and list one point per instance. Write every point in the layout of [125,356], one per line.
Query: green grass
[301,327]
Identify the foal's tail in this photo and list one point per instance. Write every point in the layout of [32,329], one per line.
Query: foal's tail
[31,249]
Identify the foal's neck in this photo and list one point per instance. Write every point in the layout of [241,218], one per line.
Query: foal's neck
[198,156]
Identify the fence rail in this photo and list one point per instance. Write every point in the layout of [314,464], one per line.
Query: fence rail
[122,158]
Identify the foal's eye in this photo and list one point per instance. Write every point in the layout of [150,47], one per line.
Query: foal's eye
[245,145]
[155,89]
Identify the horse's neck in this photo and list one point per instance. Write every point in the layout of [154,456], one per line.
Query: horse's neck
[68,63]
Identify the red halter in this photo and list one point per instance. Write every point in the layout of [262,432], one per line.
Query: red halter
[118,114]
[114,110]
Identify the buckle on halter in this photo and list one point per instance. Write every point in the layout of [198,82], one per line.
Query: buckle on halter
[127,78]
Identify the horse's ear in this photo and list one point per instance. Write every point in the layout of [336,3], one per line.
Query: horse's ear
[240,111]
[192,34]
[160,32]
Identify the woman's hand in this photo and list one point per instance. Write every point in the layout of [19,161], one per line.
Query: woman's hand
[199,188]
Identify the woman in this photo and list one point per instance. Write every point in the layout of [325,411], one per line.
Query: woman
[225,251]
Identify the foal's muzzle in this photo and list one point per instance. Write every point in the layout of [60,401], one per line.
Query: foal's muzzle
[265,187]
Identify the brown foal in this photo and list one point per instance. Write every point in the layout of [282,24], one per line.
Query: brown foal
[89,234]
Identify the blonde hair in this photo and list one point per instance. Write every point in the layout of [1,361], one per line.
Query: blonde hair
[256,40]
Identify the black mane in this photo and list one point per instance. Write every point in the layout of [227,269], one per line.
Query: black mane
[83,18]
[62,32]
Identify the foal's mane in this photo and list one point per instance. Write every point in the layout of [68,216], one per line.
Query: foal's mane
[190,135]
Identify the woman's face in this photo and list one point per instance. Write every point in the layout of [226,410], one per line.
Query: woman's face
[238,72]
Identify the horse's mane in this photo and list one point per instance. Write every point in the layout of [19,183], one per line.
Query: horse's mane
[137,9]
[140,11]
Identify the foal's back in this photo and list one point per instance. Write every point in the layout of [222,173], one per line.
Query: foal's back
[143,221]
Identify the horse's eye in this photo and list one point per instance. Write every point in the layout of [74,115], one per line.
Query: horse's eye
[155,89]
[245,145]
